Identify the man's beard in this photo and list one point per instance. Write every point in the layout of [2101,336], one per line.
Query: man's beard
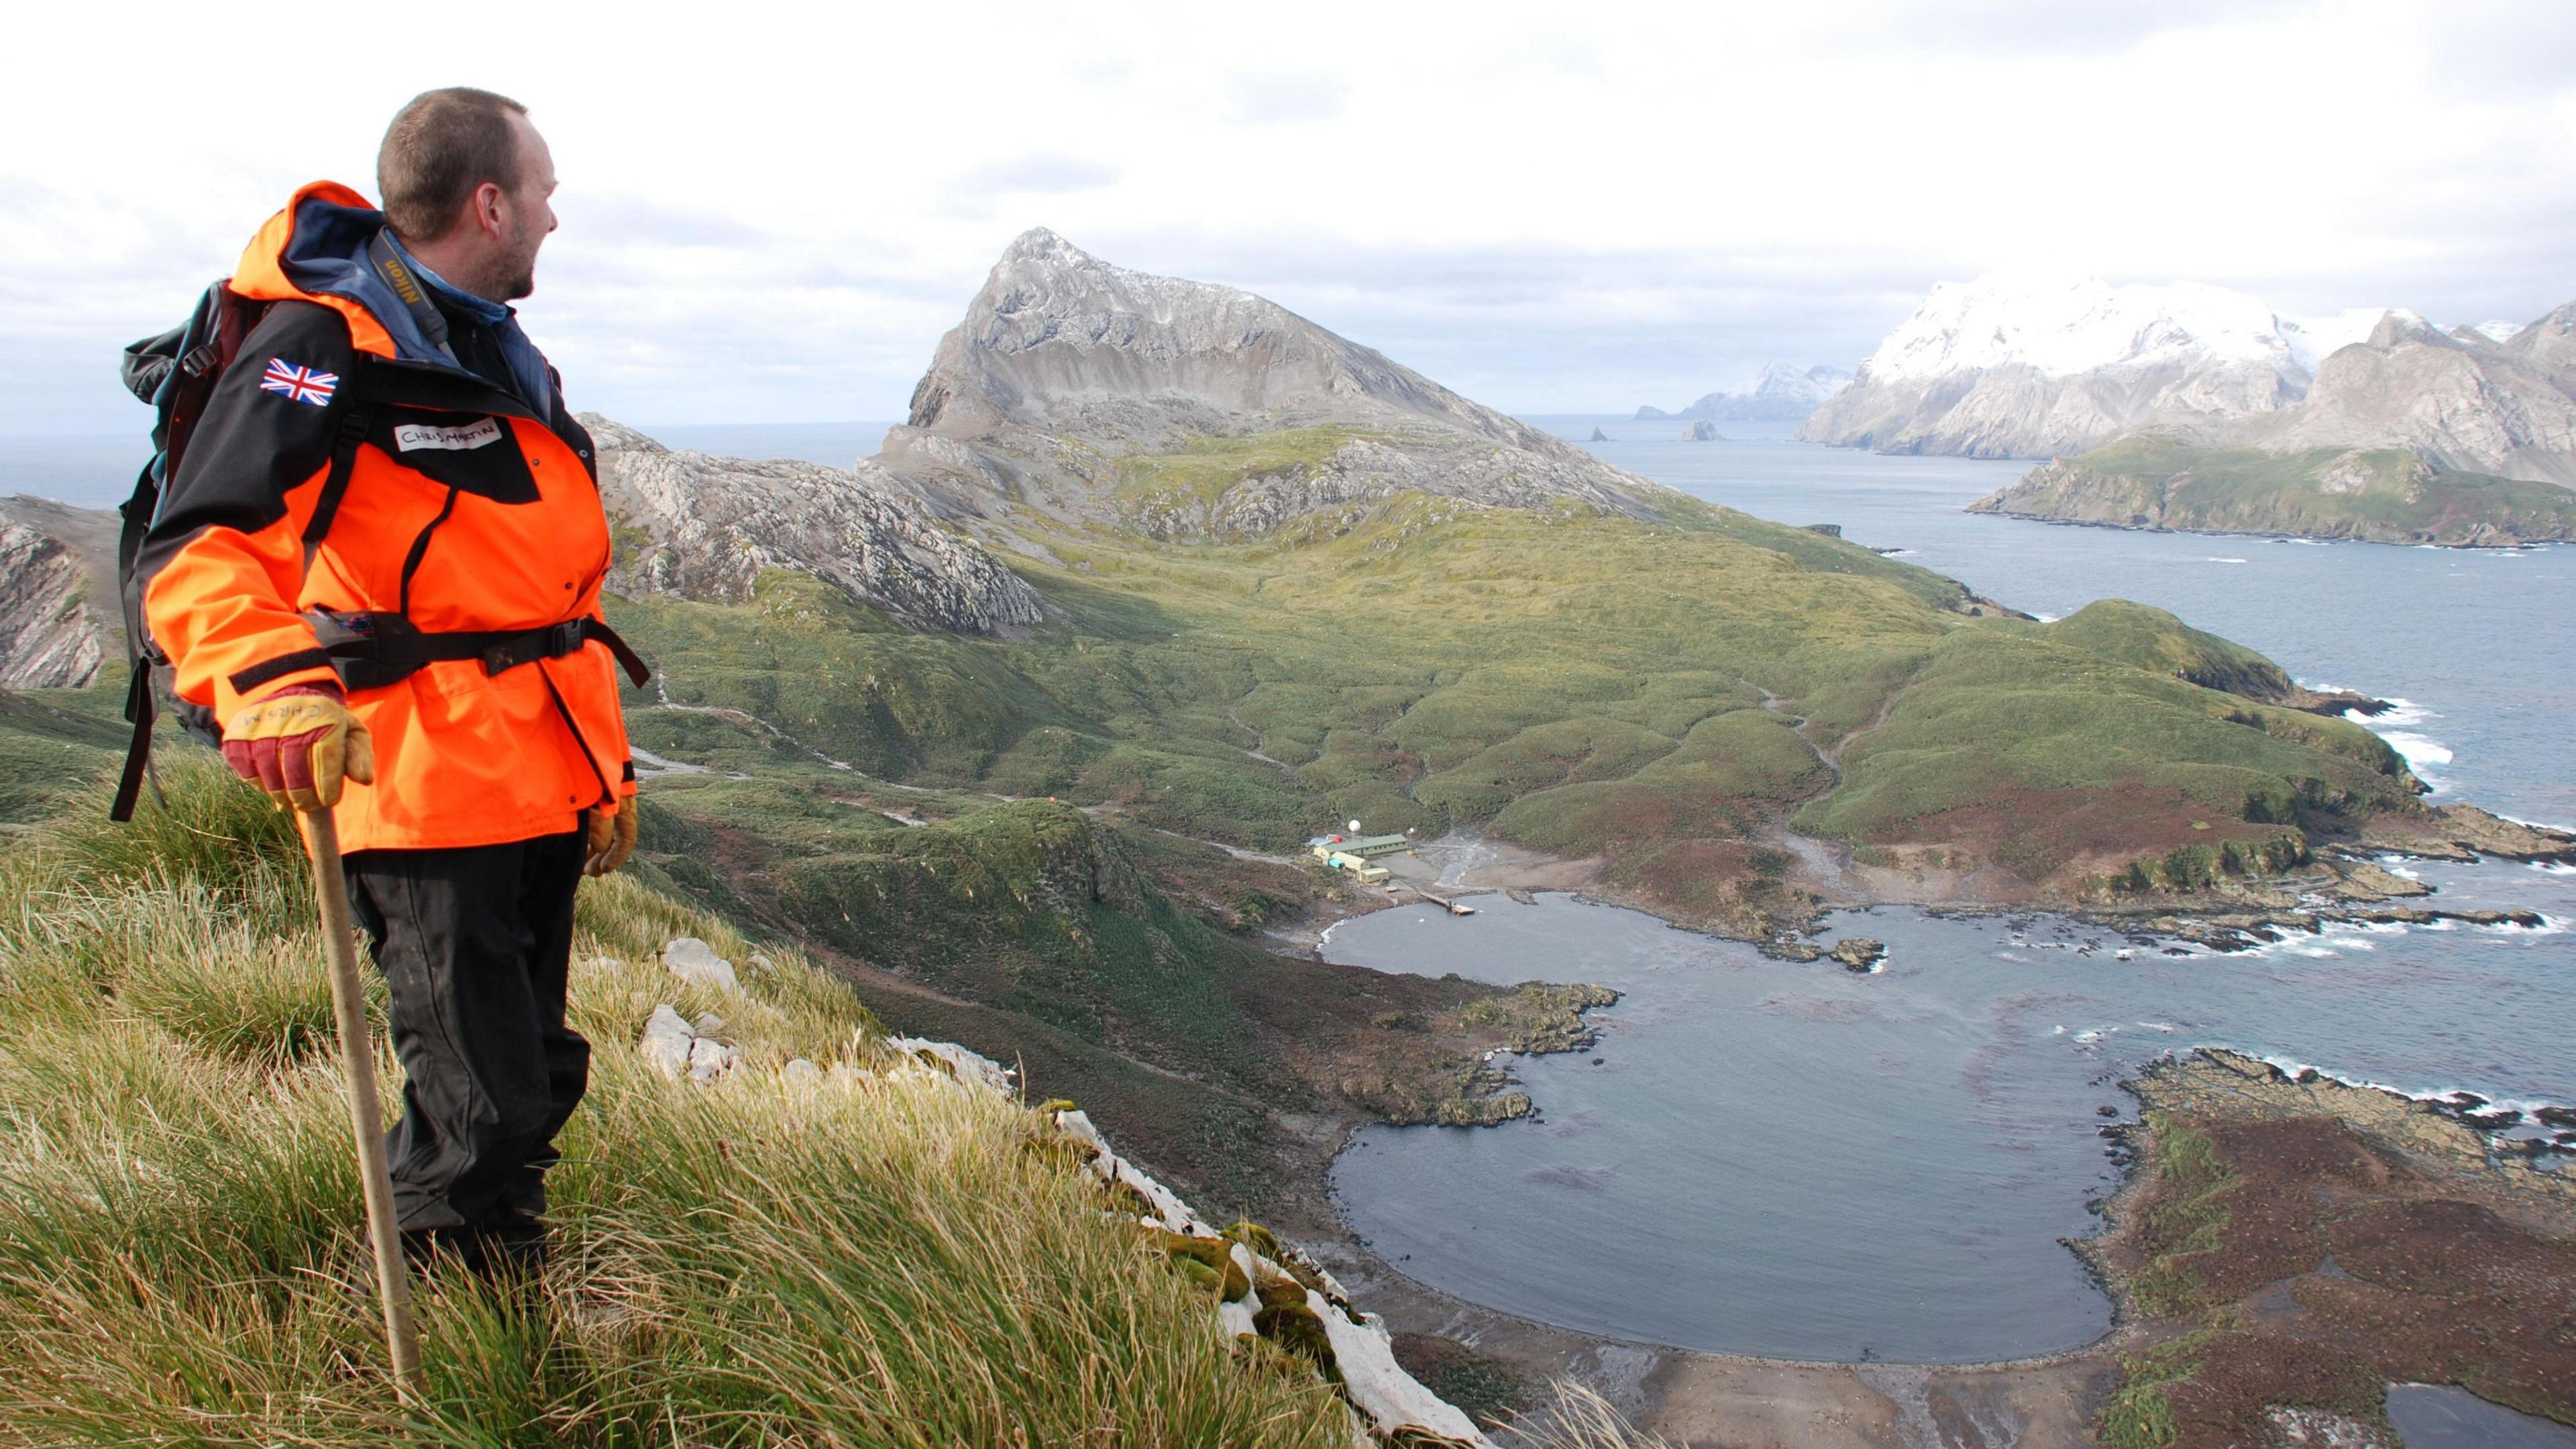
[508,278]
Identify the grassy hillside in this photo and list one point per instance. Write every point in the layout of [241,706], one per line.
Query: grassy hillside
[757,1263]
[1666,696]
[869,1255]
[53,741]
[2382,496]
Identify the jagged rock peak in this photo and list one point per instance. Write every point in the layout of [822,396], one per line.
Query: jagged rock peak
[1056,328]
[1068,372]
[712,525]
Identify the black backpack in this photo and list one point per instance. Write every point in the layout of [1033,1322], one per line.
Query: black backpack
[176,373]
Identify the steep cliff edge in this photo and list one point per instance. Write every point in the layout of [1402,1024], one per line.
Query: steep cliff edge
[58,617]
[704,527]
[1189,410]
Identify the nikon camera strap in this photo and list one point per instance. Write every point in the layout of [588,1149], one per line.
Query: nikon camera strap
[406,286]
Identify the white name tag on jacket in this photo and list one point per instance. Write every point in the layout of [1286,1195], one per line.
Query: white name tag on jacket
[411,437]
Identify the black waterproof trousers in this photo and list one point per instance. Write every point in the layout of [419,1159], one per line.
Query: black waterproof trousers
[475,944]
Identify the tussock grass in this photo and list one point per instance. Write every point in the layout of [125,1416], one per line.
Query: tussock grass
[874,1258]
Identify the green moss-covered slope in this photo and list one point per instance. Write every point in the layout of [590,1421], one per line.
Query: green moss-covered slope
[2378,496]
[1665,695]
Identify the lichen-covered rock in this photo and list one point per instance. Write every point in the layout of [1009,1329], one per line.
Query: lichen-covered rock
[705,527]
[710,1059]
[957,1061]
[667,1041]
[696,962]
[1274,1291]
[1859,953]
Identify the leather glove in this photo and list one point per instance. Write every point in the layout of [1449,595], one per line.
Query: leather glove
[612,836]
[298,745]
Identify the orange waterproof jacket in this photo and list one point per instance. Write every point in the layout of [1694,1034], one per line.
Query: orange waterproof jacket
[467,509]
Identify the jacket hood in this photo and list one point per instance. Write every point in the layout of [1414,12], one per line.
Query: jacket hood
[315,250]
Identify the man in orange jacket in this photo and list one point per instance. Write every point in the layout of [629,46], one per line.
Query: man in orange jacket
[379,565]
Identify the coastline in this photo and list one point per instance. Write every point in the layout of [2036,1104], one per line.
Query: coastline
[2053,1399]
[1740,1398]
[2278,535]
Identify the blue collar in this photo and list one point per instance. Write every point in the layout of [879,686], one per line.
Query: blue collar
[481,309]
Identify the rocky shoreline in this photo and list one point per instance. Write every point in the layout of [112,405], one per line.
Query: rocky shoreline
[2058,1398]
[2295,1244]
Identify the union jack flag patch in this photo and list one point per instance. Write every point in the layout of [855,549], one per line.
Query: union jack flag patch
[300,384]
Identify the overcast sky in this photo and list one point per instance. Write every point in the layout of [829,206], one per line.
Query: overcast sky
[772,213]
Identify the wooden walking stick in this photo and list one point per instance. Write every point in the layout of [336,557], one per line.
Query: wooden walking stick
[366,1116]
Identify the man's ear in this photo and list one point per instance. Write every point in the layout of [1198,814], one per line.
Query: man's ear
[488,200]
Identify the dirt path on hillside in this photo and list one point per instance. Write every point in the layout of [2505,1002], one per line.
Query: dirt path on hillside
[1824,866]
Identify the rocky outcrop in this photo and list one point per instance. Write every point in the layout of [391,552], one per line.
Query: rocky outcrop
[1098,394]
[58,621]
[1859,954]
[705,527]
[1702,431]
[2460,403]
[1779,393]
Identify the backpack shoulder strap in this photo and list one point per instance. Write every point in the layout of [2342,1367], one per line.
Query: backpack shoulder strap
[335,485]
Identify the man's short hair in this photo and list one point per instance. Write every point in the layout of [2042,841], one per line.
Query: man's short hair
[438,150]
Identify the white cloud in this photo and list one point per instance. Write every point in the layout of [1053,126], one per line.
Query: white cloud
[773,213]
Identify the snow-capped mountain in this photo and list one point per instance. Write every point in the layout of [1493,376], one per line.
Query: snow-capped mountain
[2013,368]
[2000,368]
[1780,392]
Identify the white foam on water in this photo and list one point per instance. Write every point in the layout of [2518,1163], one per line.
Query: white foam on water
[2536,824]
[2553,867]
[2226,560]
[2403,712]
[2448,1096]
[2421,752]
[2046,618]
[2166,1027]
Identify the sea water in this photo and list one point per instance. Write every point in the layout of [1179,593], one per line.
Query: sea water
[1796,1161]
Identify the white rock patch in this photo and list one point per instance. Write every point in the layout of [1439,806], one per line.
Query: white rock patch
[696,962]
